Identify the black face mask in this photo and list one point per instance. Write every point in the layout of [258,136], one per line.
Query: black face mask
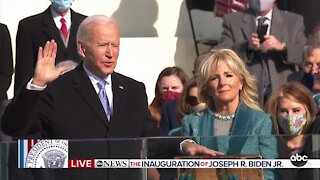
[192,100]
[307,80]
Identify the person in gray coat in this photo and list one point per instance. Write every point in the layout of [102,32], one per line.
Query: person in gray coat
[278,51]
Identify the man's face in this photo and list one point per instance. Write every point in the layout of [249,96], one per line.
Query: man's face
[311,64]
[101,52]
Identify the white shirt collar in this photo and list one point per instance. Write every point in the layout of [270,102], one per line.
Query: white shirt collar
[268,15]
[57,17]
[268,21]
[95,79]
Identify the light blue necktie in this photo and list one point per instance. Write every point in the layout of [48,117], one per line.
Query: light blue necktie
[104,98]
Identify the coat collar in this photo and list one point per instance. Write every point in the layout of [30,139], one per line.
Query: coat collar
[84,87]
[249,23]
[277,23]
[119,98]
[239,129]
[240,125]
[86,90]
[53,32]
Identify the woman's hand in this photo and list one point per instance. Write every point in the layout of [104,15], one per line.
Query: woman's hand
[194,149]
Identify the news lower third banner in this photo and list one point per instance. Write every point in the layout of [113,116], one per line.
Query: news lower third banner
[53,153]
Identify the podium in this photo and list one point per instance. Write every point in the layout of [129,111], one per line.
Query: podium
[220,173]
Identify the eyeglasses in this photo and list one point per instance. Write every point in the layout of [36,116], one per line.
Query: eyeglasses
[192,100]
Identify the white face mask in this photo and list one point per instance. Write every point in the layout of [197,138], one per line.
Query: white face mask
[260,5]
[199,107]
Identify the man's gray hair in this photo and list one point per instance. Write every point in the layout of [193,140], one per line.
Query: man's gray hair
[85,27]
[311,44]
[70,64]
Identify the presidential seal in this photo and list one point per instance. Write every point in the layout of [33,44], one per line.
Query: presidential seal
[48,154]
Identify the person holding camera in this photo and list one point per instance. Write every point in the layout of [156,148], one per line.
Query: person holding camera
[269,40]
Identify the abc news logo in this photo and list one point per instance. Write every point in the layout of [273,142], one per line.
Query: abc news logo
[299,160]
[102,163]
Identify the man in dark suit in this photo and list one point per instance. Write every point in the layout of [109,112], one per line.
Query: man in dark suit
[69,106]
[36,30]
[6,67]
[6,70]
[273,58]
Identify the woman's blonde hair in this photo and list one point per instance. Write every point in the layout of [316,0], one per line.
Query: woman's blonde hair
[248,95]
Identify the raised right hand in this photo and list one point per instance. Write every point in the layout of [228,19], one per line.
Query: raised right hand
[46,70]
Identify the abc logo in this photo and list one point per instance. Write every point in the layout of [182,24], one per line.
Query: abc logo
[299,160]
[99,163]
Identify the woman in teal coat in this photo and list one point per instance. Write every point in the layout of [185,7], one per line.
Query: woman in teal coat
[233,122]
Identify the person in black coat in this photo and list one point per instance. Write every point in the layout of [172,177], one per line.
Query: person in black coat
[69,107]
[36,30]
[6,67]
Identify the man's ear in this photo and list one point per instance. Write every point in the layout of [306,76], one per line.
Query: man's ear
[81,50]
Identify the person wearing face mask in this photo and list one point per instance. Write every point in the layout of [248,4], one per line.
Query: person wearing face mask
[273,54]
[169,86]
[293,111]
[58,22]
[174,111]
[310,64]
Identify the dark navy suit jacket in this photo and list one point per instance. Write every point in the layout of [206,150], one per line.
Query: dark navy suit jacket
[70,108]
[169,117]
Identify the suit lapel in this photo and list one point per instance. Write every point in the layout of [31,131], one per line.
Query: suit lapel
[277,24]
[206,130]
[248,25]
[240,128]
[118,90]
[85,89]
[75,21]
[52,31]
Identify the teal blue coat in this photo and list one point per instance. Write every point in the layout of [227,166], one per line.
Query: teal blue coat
[251,133]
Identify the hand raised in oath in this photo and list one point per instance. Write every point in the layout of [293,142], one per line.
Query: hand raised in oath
[45,70]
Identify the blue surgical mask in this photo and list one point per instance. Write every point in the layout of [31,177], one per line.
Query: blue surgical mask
[61,5]
[292,124]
